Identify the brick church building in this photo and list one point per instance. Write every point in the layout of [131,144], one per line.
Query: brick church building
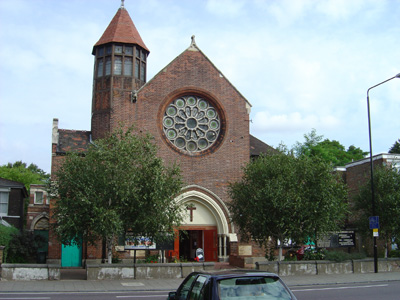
[197,118]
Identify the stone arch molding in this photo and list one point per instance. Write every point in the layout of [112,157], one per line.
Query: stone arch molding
[38,218]
[194,195]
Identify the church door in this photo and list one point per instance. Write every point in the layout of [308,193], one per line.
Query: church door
[71,255]
[210,245]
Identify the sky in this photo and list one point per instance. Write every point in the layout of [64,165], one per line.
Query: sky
[302,64]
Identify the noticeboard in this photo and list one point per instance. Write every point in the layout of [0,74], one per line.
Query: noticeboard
[139,243]
[346,238]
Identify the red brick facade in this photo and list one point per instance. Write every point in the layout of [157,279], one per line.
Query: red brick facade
[131,101]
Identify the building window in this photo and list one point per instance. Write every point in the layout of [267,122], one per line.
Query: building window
[108,65]
[39,198]
[142,71]
[128,50]
[108,50]
[4,195]
[140,64]
[128,66]
[118,49]
[137,65]
[100,67]
[191,124]
[118,65]
[123,60]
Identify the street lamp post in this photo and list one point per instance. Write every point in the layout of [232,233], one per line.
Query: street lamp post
[372,168]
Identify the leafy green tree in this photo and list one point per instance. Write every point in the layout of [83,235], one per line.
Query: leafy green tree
[387,203]
[330,151]
[396,147]
[120,184]
[19,171]
[282,196]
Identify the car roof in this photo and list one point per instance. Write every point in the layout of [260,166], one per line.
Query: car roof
[236,273]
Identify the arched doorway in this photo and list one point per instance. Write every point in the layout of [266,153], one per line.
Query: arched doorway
[40,227]
[205,226]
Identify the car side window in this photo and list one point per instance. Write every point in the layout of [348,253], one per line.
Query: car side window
[197,292]
[185,287]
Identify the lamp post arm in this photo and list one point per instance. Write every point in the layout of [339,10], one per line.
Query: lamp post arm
[397,76]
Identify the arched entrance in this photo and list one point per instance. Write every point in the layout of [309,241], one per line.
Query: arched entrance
[40,227]
[205,226]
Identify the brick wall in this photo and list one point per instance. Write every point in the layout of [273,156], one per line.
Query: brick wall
[192,73]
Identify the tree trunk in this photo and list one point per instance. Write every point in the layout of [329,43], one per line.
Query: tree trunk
[109,250]
[280,258]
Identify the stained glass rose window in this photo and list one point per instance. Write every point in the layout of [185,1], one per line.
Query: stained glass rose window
[191,123]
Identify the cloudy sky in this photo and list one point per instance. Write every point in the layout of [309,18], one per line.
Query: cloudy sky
[302,64]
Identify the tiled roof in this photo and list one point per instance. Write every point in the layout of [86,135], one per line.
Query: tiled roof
[6,183]
[121,30]
[73,140]
[10,183]
[257,147]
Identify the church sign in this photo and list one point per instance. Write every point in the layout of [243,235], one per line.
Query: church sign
[346,238]
[138,243]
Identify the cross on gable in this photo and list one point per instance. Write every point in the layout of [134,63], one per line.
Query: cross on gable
[191,208]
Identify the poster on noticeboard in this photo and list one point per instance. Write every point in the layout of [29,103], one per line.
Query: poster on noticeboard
[139,243]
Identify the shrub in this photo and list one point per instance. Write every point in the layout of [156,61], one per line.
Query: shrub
[6,235]
[151,259]
[394,253]
[314,254]
[339,256]
[23,247]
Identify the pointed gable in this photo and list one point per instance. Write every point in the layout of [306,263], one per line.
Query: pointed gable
[121,30]
[192,68]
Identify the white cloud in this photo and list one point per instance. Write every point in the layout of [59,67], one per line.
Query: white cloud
[302,64]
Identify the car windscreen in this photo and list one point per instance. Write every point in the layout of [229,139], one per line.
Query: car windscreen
[257,287]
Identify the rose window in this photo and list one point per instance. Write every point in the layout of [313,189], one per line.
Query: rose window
[191,123]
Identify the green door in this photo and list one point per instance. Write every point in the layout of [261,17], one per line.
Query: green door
[71,255]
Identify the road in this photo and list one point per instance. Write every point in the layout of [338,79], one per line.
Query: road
[372,291]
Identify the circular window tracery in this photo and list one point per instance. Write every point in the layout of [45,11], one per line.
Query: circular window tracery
[191,123]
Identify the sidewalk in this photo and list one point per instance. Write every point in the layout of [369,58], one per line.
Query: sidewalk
[171,284]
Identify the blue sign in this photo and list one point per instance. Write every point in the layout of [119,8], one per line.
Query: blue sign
[374,222]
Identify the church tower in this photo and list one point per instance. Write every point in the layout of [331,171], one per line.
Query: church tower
[119,71]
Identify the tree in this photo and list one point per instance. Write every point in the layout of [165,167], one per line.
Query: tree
[282,196]
[396,147]
[330,151]
[19,171]
[120,184]
[387,203]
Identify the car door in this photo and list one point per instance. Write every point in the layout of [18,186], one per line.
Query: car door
[182,292]
[197,290]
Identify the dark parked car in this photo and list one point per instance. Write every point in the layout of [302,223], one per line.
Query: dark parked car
[236,285]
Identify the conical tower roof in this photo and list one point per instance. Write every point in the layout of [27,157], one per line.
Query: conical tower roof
[121,30]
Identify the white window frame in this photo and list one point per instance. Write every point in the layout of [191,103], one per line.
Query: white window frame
[7,203]
[36,201]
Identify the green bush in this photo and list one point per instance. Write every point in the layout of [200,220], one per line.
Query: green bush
[151,259]
[394,253]
[23,247]
[339,256]
[314,254]
[6,235]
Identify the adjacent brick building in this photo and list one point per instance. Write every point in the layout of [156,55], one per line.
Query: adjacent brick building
[12,197]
